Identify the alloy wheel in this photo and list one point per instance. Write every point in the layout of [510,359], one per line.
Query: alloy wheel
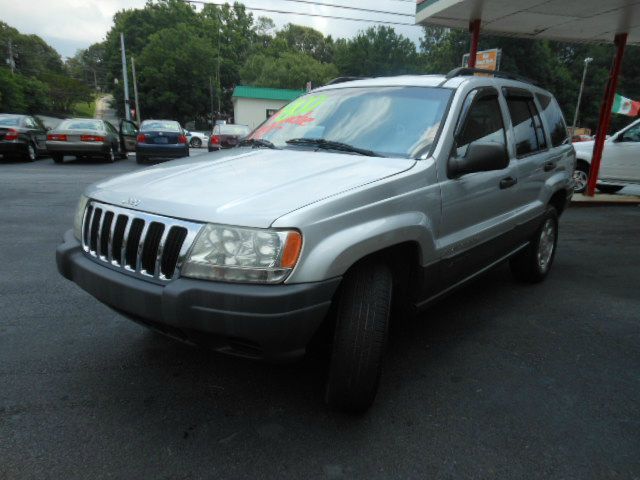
[546,244]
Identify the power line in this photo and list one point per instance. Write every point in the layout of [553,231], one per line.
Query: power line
[345,7]
[287,12]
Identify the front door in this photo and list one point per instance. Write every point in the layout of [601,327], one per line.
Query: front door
[621,157]
[476,207]
[128,133]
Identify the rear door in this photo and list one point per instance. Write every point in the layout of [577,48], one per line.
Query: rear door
[128,133]
[621,157]
[477,207]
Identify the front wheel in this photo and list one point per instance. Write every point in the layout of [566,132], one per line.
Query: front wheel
[580,177]
[533,264]
[360,337]
[195,142]
[30,154]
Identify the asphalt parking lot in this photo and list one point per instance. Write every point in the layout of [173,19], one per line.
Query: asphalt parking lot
[500,380]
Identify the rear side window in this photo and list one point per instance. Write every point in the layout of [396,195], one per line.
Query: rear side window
[483,123]
[555,120]
[527,125]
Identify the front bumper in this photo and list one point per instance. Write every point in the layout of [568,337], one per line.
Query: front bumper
[271,322]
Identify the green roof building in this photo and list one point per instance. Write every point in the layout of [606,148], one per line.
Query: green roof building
[253,105]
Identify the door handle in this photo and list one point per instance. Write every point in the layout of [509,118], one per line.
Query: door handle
[508,182]
[549,166]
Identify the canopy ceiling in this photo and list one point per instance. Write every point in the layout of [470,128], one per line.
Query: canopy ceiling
[592,21]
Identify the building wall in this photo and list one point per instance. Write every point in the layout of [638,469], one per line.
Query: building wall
[253,111]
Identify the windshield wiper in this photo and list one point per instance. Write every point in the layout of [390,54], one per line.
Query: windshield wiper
[257,142]
[331,145]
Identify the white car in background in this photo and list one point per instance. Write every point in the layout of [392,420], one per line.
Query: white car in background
[620,165]
[197,139]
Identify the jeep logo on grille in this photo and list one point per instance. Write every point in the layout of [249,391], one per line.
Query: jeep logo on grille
[131,202]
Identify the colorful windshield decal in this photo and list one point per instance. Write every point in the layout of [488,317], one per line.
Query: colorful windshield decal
[296,113]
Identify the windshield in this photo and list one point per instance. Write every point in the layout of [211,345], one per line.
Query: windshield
[390,121]
[161,125]
[81,125]
[9,121]
[237,130]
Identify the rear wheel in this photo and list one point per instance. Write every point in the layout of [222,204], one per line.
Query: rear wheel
[360,337]
[609,188]
[57,158]
[533,264]
[195,142]
[580,177]
[111,155]
[140,159]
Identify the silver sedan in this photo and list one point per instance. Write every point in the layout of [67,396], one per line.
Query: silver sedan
[86,138]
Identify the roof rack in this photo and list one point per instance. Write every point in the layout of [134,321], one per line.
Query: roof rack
[466,71]
[344,79]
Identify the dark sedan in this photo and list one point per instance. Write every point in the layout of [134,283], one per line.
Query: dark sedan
[161,140]
[89,138]
[227,136]
[22,136]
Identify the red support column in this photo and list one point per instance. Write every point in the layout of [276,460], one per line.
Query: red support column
[474,28]
[605,112]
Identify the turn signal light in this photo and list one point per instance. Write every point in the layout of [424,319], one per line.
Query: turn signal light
[291,251]
[91,138]
[55,137]
[141,138]
[215,139]
[182,139]
[12,134]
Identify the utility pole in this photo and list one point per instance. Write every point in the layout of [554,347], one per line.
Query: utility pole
[587,61]
[10,60]
[213,119]
[135,89]
[127,110]
[218,74]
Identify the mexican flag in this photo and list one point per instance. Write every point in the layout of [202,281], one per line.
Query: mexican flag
[624,106]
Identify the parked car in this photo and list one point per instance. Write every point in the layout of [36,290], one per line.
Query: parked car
[90,138]
[620,164]
[356,200]
[22,136]
[581,138]
[196,139]
[227,136]
[161,140]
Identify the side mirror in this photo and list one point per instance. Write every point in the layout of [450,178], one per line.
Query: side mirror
[480,157]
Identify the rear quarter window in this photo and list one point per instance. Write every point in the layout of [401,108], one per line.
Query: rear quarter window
[555,120]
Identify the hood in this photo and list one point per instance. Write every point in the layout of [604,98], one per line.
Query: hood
[244,187]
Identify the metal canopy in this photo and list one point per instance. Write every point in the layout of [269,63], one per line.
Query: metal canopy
[592,21]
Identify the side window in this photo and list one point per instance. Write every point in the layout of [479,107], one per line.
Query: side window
[30,123]
[632,135]
[527,126]
[128,129]
[483,123]
[555,120]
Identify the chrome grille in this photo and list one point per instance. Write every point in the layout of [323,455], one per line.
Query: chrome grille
[137,243]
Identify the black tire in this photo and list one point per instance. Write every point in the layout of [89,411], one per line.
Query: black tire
[140,159]
[362,324]
[30,153]
[530,267]
[195,142]
[57,158]
[581,177]
[609,188]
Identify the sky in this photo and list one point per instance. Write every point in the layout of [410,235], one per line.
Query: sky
[69,25]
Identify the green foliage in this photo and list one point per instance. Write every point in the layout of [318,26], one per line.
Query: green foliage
[290,70]
[376,51]
[33,56]
[168,91]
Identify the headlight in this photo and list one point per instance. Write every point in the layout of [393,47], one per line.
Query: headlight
[233,254]
[77,221]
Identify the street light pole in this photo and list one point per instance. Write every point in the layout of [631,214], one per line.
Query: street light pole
[587,61]
[135,88]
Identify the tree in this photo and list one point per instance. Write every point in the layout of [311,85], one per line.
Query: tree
[376,51]
[168,91]
[290,70]
[308,41]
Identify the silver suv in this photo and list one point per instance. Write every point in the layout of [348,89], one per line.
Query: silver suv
[358,199]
